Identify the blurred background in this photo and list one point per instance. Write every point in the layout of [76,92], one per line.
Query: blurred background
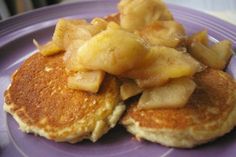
[224,9]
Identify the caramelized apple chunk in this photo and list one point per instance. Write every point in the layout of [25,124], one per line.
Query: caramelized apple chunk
[65,31]
[99,23]
[166,15]
[68,30]
[86,80]
[216,56]
[174,94]
[113,25]
[47,49]
[113,18]
[169,63]
[114,51]
[134,14]
[70,57]
[206,55]
[199,37]
[163,33]
[128,89]
[224,51]
[130,58]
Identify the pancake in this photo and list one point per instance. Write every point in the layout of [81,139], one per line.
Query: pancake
[40,101]
[210,113]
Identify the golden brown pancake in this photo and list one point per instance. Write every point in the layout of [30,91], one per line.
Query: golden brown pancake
[210,113]
[40,101]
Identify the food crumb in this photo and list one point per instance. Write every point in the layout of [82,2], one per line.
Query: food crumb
[48,69]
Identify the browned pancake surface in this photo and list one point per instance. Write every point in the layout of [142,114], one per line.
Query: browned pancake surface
[40,97]
[213,100]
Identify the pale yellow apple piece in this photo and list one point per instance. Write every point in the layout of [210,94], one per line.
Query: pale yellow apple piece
[71,58]
[200,37]
[113,25]
[174,94]
[163,33]
[115,17]
[113,51]
[166,15]
[134,14]
[86,80]
[215,57]
[169,63]
[100,23]
[128,89]
[66,30]
[224,51]
[47,49]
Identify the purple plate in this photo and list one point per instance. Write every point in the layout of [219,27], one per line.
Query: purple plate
[16,36]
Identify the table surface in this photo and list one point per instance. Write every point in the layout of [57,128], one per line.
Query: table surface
[225,10]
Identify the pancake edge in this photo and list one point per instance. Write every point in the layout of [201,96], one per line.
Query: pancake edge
[101,127]
[187,138]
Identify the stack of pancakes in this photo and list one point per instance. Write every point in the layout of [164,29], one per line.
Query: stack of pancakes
[40,101]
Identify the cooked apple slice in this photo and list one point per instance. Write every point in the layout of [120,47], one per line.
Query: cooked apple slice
[174,94]
[65,30]
[71,58]
[68,30]
[114,51]
[99,23]
[163,33]
[81,32]
[128,89]
[199,37]
[204,54]
[216,56]
[113,25]
[169,63]
[166,15]
[88,80]
[134,14]
[122,53]
[48,49]
[223,49]
[113,18]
